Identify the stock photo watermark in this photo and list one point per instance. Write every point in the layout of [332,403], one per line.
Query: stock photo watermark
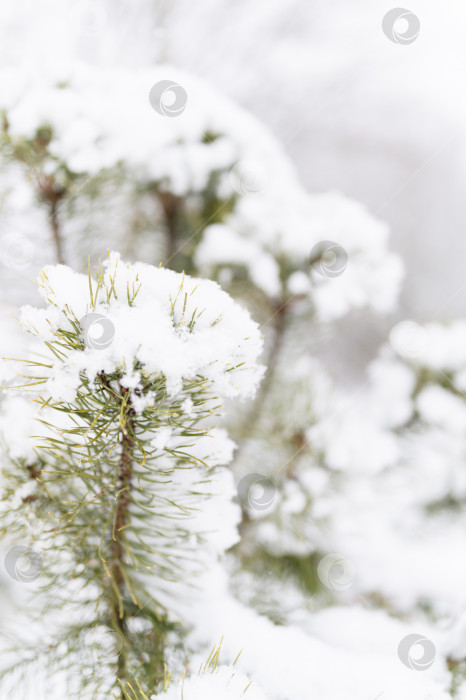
[248,177]
[336,572]
[98,331]
[328,259]
[408,339]
[91,17]
[401,26]
[23,564]
[104,644]
[257,492]
[168,98]
[18,252]
[416,652]
[33,524]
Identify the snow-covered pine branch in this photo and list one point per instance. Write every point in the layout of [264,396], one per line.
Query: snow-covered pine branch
[220,683]
[213,681]
[111,446]
[225,198]
[213,193]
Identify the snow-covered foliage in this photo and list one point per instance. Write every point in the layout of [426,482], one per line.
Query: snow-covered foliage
[213,167]
[282,236]
[331,551]
[394,456]
[139,321]
[221,683]
[119,458]
[299,656]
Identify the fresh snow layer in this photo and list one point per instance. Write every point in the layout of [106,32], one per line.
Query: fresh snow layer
[223,683]
[289,663]
[101,119]
[222,345]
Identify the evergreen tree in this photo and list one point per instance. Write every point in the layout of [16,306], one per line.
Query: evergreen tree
[124,471]
[117,506]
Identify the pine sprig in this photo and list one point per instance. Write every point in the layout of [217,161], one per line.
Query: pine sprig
[116,502]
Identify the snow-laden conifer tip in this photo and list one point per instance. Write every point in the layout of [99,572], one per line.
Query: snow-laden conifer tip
[136,319]
[221,683]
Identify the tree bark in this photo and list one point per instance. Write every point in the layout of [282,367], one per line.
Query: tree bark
[117,549]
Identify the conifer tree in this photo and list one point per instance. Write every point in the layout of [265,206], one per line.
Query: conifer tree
[124,469]
[116,503]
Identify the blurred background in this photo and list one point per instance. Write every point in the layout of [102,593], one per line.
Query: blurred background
[380,468]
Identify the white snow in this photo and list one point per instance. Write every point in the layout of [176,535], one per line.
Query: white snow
[222,683]
[222,345]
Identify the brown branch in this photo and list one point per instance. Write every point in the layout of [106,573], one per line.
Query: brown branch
[56,236]
[117,548]
[170,205]
[34,474]
[52,194]
[33,471]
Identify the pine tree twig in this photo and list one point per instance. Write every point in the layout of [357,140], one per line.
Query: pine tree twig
[120,522]
[170,206]
[53,194]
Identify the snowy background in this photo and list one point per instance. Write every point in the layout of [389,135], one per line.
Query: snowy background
[383,124]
